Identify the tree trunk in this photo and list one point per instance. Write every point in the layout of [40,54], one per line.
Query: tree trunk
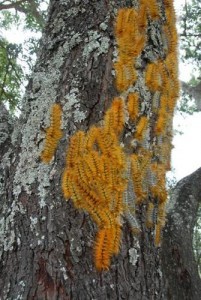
[47,244]
[180,271]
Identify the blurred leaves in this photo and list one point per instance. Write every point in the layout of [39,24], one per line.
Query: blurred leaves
[32,10]
[191,32]
[17,60]
[186,104]
[190,49]
[11,74]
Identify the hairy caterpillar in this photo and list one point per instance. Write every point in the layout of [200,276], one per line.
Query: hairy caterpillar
[150,215]
[115,117]
[102,251]
[141,127]
[53,134]
[133,106]
[158,230]
[75,148]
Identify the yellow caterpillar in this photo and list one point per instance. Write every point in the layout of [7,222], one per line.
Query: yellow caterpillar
[53,134]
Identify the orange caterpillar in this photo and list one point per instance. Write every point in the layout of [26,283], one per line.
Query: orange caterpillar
[160,223]
[153,77]
[141,127]
[102,250]
[75,148]
[142,18]
[121,81]
[168,3]
[158,232]
[161,213]
[110,148]
[107,243]
[170,28]
[126,48]
[170,63]
[150,215]
[152,7]
[137,178]
[115,117]
[170,13]
[130,44]
[116,237]
[125,21]
[159,189]
[160,124]
[53,134]
[125,75]
[165,154]
[117,206]
[66,185]
[133,106]
[159,192]
[172,37]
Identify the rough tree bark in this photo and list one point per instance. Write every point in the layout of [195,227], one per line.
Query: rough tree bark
[180,271]
[46,244]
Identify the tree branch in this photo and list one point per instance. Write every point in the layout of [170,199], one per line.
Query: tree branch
[33,8]
[12,5]
[179,267]
[190,35]
[35,12]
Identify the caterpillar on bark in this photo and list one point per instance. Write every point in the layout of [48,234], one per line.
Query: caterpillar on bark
[53,134]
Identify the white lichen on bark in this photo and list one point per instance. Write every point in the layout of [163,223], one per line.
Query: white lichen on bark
[8,234]
[133,256]
[71,105]
[96,43]
[35,105]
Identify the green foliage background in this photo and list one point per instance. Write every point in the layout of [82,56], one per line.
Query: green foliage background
[17,60]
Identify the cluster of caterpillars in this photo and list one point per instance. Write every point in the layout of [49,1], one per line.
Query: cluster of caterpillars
[94,179]
[105,176]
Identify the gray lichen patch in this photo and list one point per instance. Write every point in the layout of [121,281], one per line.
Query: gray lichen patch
[172,201]
[178,213]
[74,11]
[97,43]
[29,169]
[8,234]
[72,106]
[36,108]
[33,222]
[133,256]
[63,270]
[74,40]
[79,116]
[44,183]
[104,25]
